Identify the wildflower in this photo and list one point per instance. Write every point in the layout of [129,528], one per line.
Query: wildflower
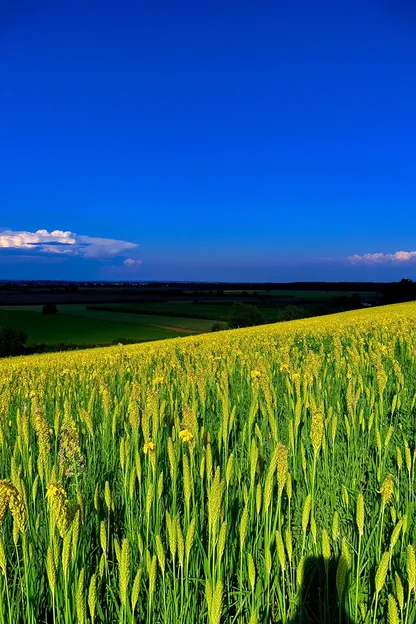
[149,446]
[255,374]
[185,435]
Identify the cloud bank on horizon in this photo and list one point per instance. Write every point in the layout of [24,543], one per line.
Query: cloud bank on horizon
[44,247]
[65,243]
[378,258]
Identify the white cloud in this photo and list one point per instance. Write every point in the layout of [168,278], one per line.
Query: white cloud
[67,243]
[131,262]
[377,258]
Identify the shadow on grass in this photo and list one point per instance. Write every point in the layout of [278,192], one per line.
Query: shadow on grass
[319,600]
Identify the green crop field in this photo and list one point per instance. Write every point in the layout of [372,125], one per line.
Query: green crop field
[78,329]
[207,311]
[255,476]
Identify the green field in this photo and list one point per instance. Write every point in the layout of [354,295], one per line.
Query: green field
[211,311]
[80,330]
[102,324]
[256,476]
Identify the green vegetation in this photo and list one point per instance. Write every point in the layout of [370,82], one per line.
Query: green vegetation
[211,311]
[78,330]
[256,476]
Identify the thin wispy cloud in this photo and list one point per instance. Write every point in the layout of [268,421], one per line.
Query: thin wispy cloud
[399,257]
[63,243]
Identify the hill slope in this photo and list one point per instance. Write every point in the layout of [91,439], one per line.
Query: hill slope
[255,475]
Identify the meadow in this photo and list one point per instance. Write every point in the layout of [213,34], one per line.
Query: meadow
[249,476]
[75,324]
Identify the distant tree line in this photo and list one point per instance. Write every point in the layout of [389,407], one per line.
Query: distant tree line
[12,341]
[398,292]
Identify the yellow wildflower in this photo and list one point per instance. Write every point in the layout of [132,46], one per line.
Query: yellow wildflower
[149,446]
[185,435]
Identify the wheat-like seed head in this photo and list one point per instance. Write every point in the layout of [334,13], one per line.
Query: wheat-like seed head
[97,498]
[215,500]
[411,566]
[138,464]
[280,550]
[317,431]
[407,456]
[268,490]
[326,548]
[208,460]
[103,536]
[404,524]
[152,576]
[149,499]
[360,514]
[216,606]
[101,567]
[140,545]
[281,466]
[221,541]
[229,469]
[80,603]
[160,485]
[387,489]
[399,458]
[160,551]
[258,498]
[306,513]
[399,590]
[395,535]
[3,558]
[251,571]
[66,552]
[345,552]
[341,576]
[243,527]
[208,595]
[50,569]
[392,612]
[107,495]
[12,499]
[389,433]
[171,530]
[75,534]
[92,597]
[300,571]
[289,544]
[289,490]
[172,459]
[135,589]
[187,483]
[180,540]
[381,573]
[334,428]
[124,570]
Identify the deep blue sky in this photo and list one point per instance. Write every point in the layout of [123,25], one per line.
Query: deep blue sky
[229,140]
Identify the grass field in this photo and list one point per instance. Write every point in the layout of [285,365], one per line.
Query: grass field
[252,476]
[210,311]
[79,329]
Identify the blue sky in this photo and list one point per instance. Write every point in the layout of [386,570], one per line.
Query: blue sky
[218,140]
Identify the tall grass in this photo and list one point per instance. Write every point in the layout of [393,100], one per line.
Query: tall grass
[262,475]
